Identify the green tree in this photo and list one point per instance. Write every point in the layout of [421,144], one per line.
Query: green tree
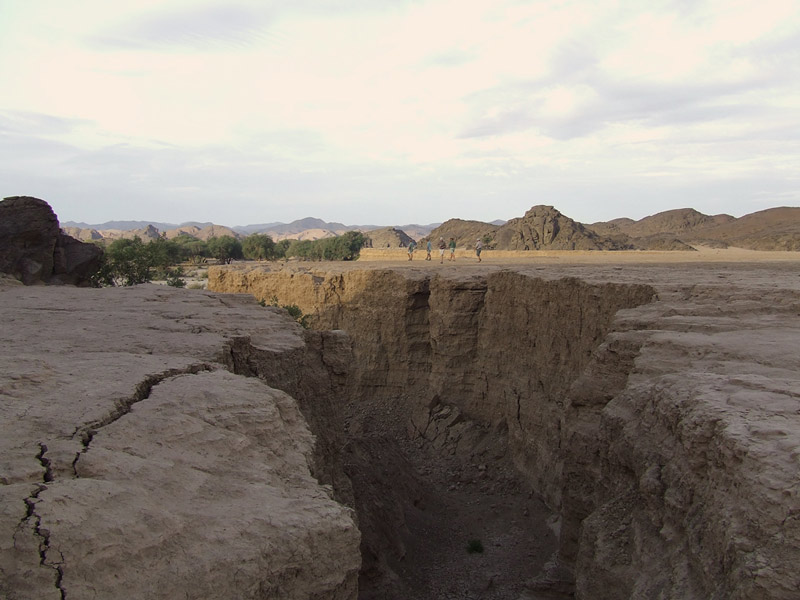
[344,247]
[258,247]
[225,248]
[281,247]
[163,254]
[128,262]
[191,248]
[300,249]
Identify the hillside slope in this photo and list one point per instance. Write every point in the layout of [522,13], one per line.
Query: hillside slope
[770,229]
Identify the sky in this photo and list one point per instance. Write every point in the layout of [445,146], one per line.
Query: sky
[390,112]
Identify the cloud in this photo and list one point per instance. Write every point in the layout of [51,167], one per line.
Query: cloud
[591,84]
[32,123]
[195,29]
[450,58]
[377,108]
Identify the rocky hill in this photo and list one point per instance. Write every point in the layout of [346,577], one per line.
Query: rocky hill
[771,229]
[190,230]
[541,228]
[387,237]
[149,232]
[466,233]
[676,222]
[416,231]
[206,233]
[82,234]
[305,234]
[545,228]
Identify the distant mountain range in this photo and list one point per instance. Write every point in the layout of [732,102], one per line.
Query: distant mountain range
[542,227]
[309,228]
[131,225]
[278,227]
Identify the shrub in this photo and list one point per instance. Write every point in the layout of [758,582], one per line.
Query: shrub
[175,278]
[294,311]
[475,546]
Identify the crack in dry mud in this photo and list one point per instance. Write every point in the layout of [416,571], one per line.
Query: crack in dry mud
[124,406]
[33,521]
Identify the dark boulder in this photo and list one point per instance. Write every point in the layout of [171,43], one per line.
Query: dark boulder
[34,250]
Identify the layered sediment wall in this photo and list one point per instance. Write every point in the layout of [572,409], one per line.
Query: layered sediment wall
[653,410]
[503,349]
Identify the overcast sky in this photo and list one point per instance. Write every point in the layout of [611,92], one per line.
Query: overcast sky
[399,111]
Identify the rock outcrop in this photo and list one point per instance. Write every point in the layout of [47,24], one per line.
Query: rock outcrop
[34,250]
[545,228]
[541,228]
[662,428]
[150,449]
[386,237]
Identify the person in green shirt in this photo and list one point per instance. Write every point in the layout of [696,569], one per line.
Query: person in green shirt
[452,249]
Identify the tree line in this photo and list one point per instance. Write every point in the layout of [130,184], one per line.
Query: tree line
[132,261]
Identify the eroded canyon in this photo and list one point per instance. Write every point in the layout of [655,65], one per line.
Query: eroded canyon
[654,410]
[604,431]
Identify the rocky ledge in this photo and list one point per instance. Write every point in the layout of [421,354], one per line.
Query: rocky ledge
[136,463]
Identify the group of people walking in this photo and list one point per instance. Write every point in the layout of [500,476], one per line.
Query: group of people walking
[412,246]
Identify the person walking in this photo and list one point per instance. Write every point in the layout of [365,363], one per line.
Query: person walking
[442,247]
[429,251]
[412,245]
[452,249]
[478,248]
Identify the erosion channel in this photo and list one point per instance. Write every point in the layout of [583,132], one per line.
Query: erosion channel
[574,424]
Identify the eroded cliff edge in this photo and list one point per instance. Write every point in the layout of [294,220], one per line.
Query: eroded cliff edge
[655,409]
[143,455]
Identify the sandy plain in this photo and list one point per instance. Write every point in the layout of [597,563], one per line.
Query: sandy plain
[700,255]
